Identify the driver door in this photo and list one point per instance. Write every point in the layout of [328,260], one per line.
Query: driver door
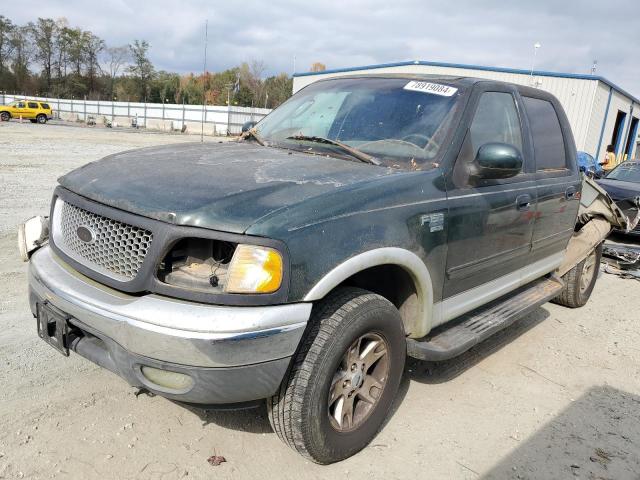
[490,221]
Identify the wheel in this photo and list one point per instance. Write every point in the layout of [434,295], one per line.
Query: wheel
[41,119]
[344,378]
[5,116]
[580,280]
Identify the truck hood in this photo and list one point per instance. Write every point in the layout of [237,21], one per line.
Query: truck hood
[225,186]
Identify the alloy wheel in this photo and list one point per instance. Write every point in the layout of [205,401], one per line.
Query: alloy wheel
[358,382]
[588,271]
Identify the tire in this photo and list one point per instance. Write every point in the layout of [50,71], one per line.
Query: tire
[5,116]
[41,119]
[580,280]
[303,414]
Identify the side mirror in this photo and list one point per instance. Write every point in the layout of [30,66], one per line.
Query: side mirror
[495,161]
[246,126]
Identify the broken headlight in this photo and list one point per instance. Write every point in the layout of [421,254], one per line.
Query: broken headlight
[215,266]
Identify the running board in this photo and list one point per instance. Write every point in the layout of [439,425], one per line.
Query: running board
[458,336]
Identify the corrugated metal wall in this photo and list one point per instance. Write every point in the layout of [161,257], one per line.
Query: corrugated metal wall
[582,99]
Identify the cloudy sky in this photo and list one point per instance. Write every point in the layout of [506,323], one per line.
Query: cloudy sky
[341,33]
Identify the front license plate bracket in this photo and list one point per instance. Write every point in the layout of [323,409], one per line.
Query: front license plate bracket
[53,327]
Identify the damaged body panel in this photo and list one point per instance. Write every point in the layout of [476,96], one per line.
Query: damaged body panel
[597,216]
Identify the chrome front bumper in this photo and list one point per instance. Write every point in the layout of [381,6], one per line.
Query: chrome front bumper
[224,347]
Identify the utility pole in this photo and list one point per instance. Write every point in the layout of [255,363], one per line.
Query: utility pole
[229,86]
[593,67]
[204,72]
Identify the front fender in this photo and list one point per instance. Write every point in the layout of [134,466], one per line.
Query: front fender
[409,261]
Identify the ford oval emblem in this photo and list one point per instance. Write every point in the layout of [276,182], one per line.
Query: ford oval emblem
[86,234]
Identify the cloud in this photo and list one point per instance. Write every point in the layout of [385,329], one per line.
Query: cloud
[342,33]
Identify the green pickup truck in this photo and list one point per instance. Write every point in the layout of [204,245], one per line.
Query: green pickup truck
[367,218]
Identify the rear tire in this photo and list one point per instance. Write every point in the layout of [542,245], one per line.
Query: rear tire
[344,378]
[580,280]
[5,116]
[41,119]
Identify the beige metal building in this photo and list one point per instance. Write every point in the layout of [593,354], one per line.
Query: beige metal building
[600,112]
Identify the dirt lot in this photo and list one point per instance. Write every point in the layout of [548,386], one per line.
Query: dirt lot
[557,396]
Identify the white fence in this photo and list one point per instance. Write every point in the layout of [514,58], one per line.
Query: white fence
[218,120]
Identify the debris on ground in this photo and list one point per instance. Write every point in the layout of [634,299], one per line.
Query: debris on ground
[622,260]
[215,460]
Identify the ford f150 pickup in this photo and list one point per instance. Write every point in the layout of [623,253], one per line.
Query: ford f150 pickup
[367,218]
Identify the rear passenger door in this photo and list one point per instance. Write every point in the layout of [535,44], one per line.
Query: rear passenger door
[557,177]
[32,109]
[490,221]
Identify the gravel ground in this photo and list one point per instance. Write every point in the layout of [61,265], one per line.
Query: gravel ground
[556,396]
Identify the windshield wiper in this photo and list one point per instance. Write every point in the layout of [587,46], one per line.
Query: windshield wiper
[252,133]
[354,152]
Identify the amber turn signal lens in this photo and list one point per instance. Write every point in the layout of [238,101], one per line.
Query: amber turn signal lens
[254,269]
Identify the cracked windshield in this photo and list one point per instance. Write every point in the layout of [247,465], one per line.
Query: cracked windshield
[395,122]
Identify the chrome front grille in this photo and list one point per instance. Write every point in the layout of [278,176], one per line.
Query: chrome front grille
[105,245]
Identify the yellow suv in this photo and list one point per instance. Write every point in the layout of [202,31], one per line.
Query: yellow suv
[33,110]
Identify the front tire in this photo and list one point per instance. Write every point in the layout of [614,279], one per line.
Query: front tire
[5,116]
[580,280]
[344,378]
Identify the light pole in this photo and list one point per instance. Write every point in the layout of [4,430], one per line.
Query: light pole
[536,46]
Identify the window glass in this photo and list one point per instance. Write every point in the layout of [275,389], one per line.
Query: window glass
[401,126]
[45,106]
[20,105]
[626,172]
[496,121]
[32,105]
[548,143]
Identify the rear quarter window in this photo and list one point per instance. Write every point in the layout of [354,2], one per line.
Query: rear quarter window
[548,142]
[45,106]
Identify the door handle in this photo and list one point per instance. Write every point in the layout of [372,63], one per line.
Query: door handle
[570,193]
[523,202]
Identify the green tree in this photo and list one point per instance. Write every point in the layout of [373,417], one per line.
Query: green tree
[20,40]
[44,33]
[141,67]
[93,46]
[6,49]
[117,57]
[165,87]
[277,90]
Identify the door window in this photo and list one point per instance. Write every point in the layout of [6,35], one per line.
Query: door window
[33,105]
[548,142]
[496,121]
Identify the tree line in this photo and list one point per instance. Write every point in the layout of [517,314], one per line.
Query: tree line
[50,58]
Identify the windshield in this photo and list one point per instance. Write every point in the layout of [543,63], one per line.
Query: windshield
[400,122]
[626,172]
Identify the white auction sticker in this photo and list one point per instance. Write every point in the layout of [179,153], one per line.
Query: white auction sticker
[428,87]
